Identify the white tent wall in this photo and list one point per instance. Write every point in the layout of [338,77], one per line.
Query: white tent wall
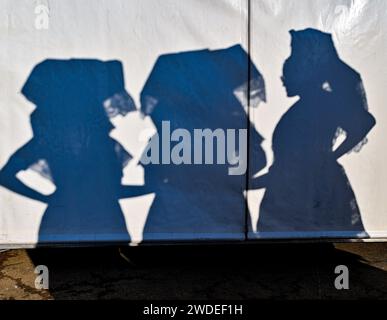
[135,32]
[359,32]
[185,39]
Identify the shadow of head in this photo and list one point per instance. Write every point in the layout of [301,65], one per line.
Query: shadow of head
[312,64]
[78,90]
[75,100]
[200,83]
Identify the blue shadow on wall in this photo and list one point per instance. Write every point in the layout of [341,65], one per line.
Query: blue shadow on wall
[306,188]
[71,146]
[204,89]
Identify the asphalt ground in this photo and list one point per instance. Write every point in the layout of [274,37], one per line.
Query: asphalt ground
[258,271]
